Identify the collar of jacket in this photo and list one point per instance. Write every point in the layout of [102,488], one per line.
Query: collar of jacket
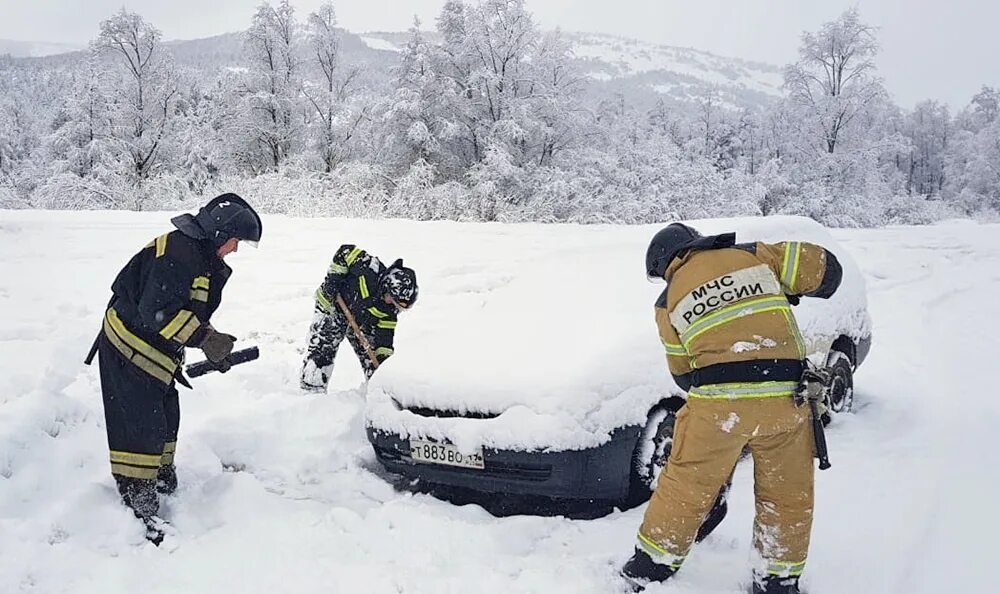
[711,242]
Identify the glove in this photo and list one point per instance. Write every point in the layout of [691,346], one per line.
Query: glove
[217,346]
[814,388]
[793,299]
[332,285]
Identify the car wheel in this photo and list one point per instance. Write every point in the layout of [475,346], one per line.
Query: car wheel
[652,450]
[841,396]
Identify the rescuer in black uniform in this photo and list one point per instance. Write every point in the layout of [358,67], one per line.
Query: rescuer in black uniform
[163,301]
[374,295]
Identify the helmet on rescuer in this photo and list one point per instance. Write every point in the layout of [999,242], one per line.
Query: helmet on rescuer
[400,283]
[667,244]
[225,217]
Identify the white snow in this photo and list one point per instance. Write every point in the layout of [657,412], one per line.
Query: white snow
[281,492]
[553,327]
[377,43]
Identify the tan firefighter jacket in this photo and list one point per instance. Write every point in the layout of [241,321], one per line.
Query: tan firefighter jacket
[726,321]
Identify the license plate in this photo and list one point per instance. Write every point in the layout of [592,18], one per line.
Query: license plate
[429,452]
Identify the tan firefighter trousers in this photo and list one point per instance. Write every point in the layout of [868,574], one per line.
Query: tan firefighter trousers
[708,438]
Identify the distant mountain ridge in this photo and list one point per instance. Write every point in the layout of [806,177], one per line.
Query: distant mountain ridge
[643,72]
[36,49]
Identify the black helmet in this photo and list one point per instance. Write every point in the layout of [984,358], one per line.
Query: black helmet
[400,283]
[667,244]
[220,220]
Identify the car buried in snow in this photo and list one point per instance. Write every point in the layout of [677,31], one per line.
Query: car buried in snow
[546,378]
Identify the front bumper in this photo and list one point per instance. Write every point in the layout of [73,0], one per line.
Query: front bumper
[600,473]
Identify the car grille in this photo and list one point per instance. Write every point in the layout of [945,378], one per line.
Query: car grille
[447,414]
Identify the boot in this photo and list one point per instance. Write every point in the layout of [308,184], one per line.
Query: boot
[773,584]
[640,570]
[166,479]
[314,378]
[154,529]
[139,494]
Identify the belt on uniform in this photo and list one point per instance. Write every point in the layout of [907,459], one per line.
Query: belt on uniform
[745,372]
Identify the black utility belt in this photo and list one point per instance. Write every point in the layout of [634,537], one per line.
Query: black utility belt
[758,370]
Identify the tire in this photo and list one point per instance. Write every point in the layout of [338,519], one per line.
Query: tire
[652,451]
[841,397]
[650,459]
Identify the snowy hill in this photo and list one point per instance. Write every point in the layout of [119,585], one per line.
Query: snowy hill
[647,72]
[36,49]
[280,492]
[643,72]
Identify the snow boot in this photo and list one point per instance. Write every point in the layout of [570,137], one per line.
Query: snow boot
[773,584]
[640,570]
[154,529]
[166,479]
[139,494]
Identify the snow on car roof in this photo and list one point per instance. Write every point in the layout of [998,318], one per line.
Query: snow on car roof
[553,326]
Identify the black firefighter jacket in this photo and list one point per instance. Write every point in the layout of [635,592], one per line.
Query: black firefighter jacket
[355,275]
[163,301]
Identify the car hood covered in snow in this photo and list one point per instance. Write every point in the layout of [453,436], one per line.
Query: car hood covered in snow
[548,332]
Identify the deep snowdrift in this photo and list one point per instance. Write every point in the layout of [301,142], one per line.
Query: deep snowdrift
[280,491]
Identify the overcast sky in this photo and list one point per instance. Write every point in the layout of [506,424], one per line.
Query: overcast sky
[931,49]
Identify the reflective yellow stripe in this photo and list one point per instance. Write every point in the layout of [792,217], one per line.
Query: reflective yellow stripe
[168,453]
[658,554]
[134,471]
[738,391]
[733,312]
[135,358]
[785,568]
[137,343]
[363,287]
[199,295]
[386,351]
[322,301]
[200,282]
[386,324]
[351,257]
[337,268]
[674,350]
[174,325]
[152,460]
[793,328]
[161,245]
[184,334]
[377,312]
[790,265]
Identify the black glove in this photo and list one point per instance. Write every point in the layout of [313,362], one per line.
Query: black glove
[217,346]
[332,286]
[793,299]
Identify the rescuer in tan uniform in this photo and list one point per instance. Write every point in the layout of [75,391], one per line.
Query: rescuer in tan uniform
[732,342]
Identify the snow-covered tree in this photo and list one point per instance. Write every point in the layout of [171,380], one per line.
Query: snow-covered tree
[834,84]
[928,129]
[143,95]
[268,124]
[336,119]
[81,137]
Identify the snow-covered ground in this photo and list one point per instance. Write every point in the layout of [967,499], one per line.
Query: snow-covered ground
[280,491]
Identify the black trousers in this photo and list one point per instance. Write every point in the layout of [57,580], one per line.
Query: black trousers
[326,333]
[141,416]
